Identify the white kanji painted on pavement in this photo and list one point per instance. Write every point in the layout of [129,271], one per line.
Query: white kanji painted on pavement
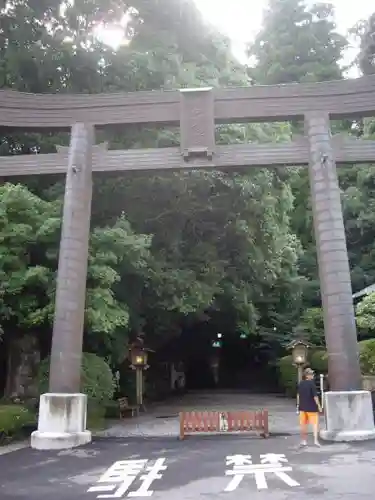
[270,463]
[239,460]
[117,480]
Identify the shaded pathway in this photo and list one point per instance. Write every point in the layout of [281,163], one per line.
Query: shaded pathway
[162,420]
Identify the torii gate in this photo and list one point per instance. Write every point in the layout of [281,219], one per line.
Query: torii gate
[62,416]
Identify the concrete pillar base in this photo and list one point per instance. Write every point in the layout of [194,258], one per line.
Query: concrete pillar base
[349,416]
[62,422]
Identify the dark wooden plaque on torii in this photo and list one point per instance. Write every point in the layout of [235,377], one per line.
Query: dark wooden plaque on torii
[197,111]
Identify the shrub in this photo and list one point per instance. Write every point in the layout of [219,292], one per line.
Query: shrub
[97,380]
[319,361]
[367,356]
[13,419]
[288,375]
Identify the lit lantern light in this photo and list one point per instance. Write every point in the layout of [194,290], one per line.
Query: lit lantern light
[299,350]
[299,353]
[139,356]
[218,342]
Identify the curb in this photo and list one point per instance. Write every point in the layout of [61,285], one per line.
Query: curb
[10,448]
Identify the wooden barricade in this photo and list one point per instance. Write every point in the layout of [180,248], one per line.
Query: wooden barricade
[192,422]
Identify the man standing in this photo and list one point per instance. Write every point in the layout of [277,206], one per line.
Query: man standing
[308,407]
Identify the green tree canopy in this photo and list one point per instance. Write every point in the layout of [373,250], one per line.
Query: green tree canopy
[367,47]
[165,248]
[297,43]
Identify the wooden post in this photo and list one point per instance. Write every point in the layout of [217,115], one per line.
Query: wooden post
[299,375]
[321,381]
[139,387]
[266,431]
[182,425]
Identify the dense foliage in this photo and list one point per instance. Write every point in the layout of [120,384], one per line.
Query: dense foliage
[367,356]
[367,52]
[233,249]
[365,313]
[97,380]
[14,419]
[165,248]
[318,360]
[297,43]
[288,373]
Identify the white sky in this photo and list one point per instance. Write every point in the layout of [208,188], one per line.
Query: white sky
[241,19]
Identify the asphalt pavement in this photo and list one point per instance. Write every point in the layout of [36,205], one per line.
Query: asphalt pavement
[213,467]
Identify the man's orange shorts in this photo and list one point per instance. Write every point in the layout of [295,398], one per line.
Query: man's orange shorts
[306,417]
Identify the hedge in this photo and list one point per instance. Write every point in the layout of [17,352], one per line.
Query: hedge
[97,381]
[14,418]
[319,362]
[288,372]
[288,375]
[367,356]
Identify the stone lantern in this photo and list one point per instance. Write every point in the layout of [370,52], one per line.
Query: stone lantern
[299,350]
[138,354]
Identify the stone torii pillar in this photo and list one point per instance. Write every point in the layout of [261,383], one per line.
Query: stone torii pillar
[62,411]
[348,409]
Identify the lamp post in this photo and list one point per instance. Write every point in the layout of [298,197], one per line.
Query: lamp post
[299,350]
[139,358]
[215,363]
[215,357]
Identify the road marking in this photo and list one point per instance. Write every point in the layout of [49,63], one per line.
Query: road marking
[134,478]
[122,475]
[270,463]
